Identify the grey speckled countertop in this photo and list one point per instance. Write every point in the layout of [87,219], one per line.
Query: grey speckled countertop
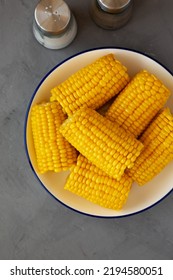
[33,225]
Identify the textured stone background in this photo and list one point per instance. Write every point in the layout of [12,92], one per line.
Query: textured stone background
[33,225]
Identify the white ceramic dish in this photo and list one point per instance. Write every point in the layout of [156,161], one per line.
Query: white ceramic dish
[140,198]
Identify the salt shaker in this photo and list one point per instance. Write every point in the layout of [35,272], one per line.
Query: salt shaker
[54,25]
[111,14]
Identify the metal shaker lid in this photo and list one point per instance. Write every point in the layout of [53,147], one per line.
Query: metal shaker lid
[113,6]
[52,16]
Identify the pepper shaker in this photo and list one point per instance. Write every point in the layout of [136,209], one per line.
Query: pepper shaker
[54,25]
[111,14]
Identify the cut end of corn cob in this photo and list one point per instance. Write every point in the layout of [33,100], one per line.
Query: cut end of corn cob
[102,142]
[92,86]
[138,103]
[88,181]
[158,148]
[53,152]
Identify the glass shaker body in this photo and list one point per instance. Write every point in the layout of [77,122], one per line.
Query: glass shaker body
[110,14]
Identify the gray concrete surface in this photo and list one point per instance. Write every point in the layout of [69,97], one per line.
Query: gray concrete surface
[33,225]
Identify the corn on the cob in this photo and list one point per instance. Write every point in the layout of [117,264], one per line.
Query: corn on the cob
[90,182]
[91,86]
[102,142]
[53,152]
[158,148]
[138,103]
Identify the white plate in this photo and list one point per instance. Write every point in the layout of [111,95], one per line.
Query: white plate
[140,198]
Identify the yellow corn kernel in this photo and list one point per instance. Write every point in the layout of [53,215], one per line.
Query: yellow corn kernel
[138,103]
[88,181]
[101,141]
[53,152]
[158,148]
[92,85]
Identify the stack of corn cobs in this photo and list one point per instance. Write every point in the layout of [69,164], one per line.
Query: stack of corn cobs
[106,153]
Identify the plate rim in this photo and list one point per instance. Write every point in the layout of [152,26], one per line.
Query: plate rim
[26,121]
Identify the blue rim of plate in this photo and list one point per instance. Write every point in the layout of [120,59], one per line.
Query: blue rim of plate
[25,128]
